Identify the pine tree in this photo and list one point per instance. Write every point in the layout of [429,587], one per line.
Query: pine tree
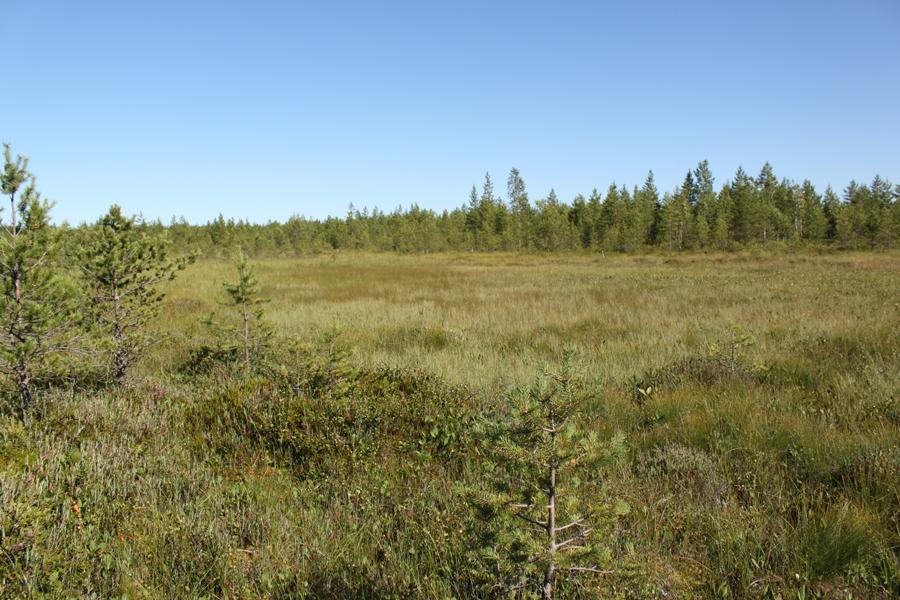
[703,209]
[844,226]
[634,228]
[578,219]
[678,222]
[122,262]
[647,199]
[767,185]
[552,228]
[705,182]
[519,208]
[627,238]
[690,190]
[592,219]
[608,234]
[492,221]
[745,213]
[882,225]
[535,530]
[474,219]
[251,337]
[860,218]
[35,303]
[831,204]
[813,223]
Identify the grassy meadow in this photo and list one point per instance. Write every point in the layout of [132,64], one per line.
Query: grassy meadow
[489,320]
[750,401]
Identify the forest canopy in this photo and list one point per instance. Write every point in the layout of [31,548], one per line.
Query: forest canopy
[743,211]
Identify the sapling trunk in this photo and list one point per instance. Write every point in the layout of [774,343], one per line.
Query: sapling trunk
[246,316]
[550,571]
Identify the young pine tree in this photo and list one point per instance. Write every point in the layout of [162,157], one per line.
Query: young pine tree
[122,263]
[35,303]
[251,337]
[536,530]
[519,208]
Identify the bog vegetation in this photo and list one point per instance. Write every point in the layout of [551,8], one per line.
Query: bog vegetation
[460,424]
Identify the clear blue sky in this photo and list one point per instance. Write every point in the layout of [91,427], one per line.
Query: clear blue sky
[261,110]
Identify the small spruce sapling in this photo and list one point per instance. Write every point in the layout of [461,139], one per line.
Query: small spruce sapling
[35,303]
[122,263]
[250,338]
[535,529]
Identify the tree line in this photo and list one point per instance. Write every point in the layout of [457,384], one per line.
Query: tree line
[744,211]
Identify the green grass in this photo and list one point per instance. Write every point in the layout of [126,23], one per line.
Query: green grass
[491,320]
[764,470]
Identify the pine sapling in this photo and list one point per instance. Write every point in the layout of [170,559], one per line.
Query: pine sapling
[536,530]
[251,336]
[35,303]
[123,261]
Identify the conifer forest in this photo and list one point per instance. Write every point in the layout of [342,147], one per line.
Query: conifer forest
[744,211]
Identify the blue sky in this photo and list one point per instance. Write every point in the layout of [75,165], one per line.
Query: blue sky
[261,110]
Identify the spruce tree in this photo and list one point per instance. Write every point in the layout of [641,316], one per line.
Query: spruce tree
[35,304]
[122,262]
